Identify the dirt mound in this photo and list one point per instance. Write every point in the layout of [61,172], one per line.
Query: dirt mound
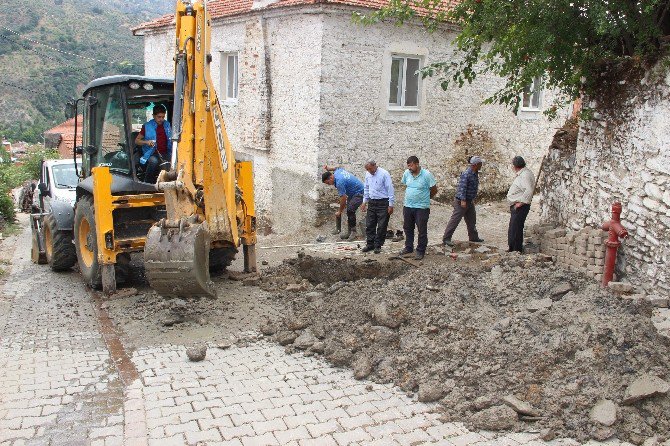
[549,344]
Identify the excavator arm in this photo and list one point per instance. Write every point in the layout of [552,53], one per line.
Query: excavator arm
[209,197]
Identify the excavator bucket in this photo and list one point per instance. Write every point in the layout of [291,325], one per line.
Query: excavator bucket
[176,260]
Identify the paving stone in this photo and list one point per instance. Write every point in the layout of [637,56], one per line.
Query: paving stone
[352,436]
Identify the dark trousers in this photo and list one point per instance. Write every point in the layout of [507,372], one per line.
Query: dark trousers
[153,167]
[418,217]
[377,222]
[353,203]
[469,214]
[517,219]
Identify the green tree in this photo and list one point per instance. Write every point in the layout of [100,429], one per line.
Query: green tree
[569,43]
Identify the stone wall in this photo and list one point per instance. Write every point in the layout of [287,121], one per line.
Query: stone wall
[582,250]
[626,158]
[313,89]
[357,122]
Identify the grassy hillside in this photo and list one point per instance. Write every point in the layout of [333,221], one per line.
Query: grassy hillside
[50,49]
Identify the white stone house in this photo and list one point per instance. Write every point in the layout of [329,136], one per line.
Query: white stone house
[303,85]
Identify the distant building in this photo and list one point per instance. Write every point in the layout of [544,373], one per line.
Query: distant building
[61,137]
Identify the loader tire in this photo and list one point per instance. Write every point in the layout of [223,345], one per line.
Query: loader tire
[60,251]
[86,243]
[220,259]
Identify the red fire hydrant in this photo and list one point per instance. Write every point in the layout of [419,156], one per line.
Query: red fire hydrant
[616,231]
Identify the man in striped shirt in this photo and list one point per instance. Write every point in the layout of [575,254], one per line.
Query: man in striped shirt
[464,203]
[379,195]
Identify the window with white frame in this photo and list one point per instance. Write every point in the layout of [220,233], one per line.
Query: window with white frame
[404,83]
[531,100]
[229,72]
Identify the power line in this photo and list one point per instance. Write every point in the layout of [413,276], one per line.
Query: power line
[29,48]
[8,84]
[65,52]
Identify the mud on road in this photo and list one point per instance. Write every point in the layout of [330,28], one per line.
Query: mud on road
[508,344]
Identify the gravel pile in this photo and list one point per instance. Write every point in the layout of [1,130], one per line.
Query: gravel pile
[513,346]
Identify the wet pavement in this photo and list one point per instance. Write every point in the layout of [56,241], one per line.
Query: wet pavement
[67,378]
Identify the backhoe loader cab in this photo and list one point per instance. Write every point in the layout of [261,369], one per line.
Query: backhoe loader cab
[115,108]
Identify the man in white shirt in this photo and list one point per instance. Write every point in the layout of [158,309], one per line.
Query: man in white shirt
[519,196]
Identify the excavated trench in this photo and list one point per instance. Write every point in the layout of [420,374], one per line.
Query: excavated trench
[509,344]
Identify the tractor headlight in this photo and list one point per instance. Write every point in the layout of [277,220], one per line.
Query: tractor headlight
[147,86]
[134,85]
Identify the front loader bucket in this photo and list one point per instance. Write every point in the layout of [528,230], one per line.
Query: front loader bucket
[176,261]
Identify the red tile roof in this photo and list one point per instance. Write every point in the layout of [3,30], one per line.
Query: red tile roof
[228,8]
[66,132]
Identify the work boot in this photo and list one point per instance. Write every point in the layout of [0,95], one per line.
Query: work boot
[418,256]
[349,234]
[338,226]
[367,248]
[398,236]
[404,252]
[448,242]
[477,240]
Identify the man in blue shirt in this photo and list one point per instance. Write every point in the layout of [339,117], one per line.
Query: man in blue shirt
[380,197]
[421,187]
[350,189]
[464,203]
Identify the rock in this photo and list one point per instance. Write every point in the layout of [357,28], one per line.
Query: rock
[305,340]
[362,367]
[604,412]
[603,433]
[340,357]
[268,329]
[559,290]
[483,250]
[295,287]
[548,434]
[251,281]
[539,304]
[317,347]
[264,262]
[520,406]
[430,391]
[620,287]
[286,337]
[658,301]
[387,317]
[496,418]
[321,238]
[196,353]
[383,335]
[225,345]
[483,402]
[172,320]
[313,295]
[496,272]
[646,386]
[294,323]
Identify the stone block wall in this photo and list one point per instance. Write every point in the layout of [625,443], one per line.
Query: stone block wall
[623,158]
[582,250]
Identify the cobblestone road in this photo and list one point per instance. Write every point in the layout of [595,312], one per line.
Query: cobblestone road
[65,379]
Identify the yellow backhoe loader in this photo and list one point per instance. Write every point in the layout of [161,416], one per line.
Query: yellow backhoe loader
[200,210]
